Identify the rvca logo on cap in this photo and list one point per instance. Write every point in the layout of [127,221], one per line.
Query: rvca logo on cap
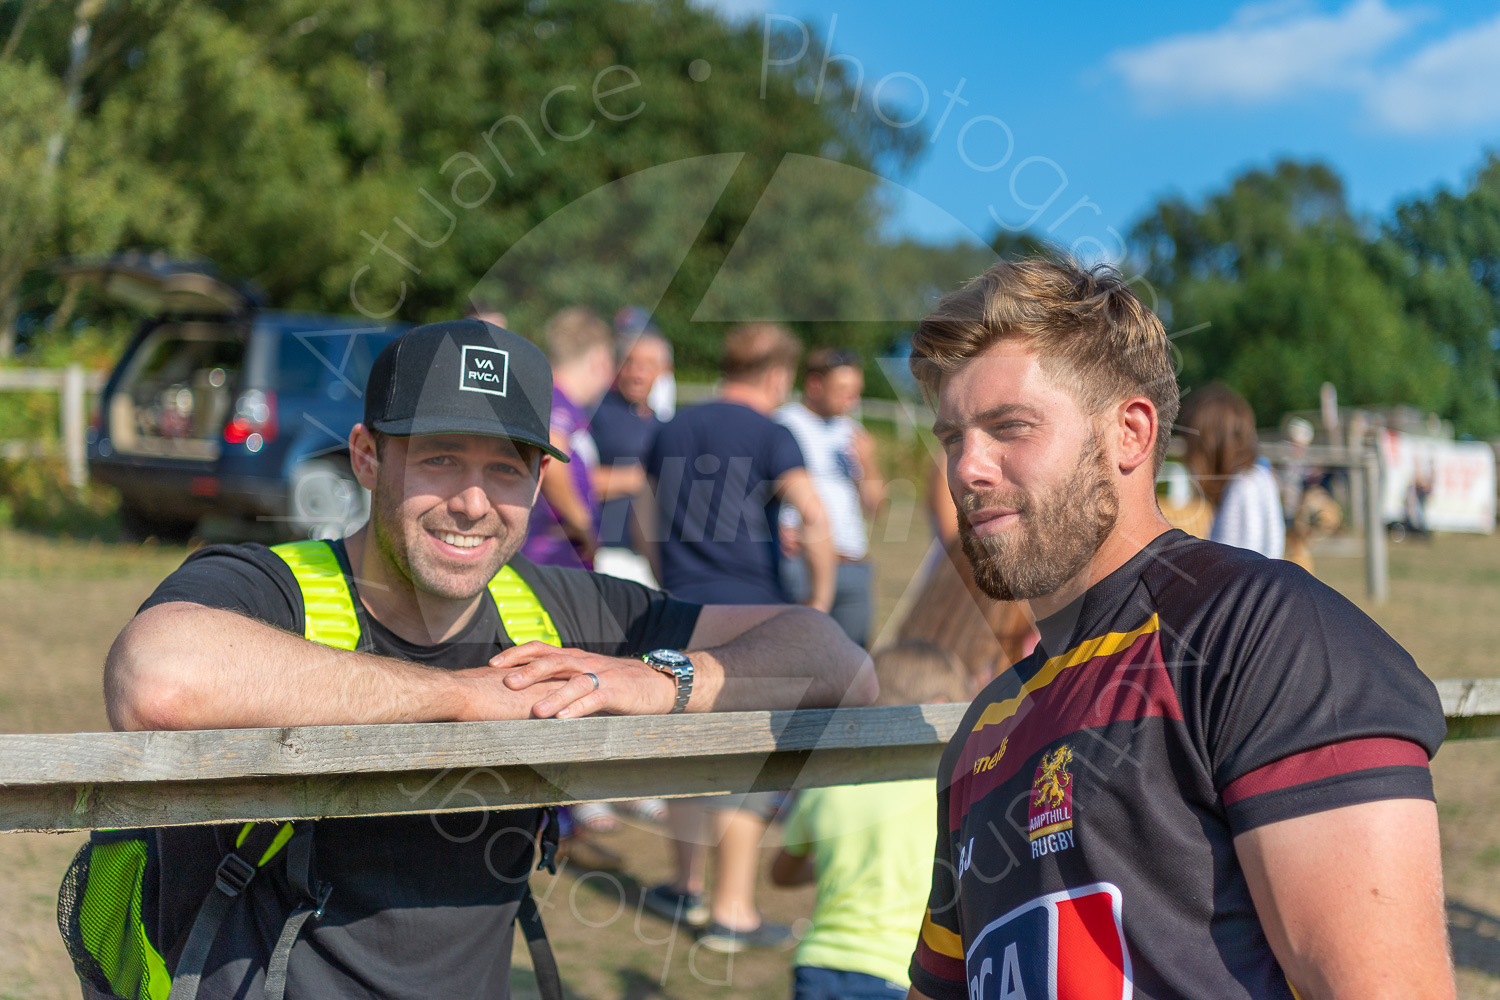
[484,369]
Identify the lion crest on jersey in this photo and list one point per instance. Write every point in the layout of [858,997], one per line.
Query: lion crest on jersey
[1053,782]
[1050,822]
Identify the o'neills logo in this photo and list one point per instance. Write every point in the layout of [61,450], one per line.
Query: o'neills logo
[985,763]
[484,369]
[1050,824]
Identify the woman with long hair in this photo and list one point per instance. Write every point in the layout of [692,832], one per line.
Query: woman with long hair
[1223,454]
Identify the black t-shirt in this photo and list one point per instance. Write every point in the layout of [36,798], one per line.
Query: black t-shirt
[715,466]
[623,437]
[1088,803]
[422,906]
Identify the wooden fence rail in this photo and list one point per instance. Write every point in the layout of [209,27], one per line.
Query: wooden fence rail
[81,781]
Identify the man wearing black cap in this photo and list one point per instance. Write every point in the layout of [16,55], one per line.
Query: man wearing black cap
[416,617]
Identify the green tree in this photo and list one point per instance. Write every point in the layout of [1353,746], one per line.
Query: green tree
[1275,287]
[31,108]
[304,144]
[1444,251]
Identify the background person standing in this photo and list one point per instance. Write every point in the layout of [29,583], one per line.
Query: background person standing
[1223,455]
[624,428]
[869,848]
[840,458]
[563,523]
[721,471]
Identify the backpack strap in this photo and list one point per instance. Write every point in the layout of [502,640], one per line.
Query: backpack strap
[529,916]
[313,897]
[521,612]
[329,614]
[258,843]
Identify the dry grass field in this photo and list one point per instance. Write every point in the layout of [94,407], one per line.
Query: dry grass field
[62,603]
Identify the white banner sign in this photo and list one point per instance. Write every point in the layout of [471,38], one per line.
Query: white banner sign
[1436,483]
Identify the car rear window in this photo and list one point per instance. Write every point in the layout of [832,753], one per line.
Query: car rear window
[177,389]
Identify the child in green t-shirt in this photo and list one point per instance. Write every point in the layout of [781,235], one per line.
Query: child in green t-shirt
[869,847]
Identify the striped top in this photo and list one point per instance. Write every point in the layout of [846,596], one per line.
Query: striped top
[827,445]
[1249,514]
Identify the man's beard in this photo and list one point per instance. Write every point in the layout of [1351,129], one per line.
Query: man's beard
[1055,536]
[389,533]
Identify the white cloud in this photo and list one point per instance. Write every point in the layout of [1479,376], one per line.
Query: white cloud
[1453,83]
[1266,52]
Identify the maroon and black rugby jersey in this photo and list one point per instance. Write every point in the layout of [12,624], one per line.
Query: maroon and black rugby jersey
[1088,803]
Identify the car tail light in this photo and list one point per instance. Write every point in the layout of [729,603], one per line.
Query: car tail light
[254,421]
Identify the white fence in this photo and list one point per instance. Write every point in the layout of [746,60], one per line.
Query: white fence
[72,384]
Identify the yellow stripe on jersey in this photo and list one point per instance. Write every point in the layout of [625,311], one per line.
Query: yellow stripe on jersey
[1103,645]
[941,939]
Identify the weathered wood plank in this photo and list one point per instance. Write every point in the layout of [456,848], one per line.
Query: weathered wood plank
[1472,707]
[119,805]
[79,781]
[95,758]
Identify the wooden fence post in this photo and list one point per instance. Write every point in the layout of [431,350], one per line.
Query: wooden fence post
[73,421]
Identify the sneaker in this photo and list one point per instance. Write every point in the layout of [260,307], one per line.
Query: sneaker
[650,810]
[717,937]
[669,904]
[596,817]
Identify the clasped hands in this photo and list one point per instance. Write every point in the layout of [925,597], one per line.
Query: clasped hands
[626,685]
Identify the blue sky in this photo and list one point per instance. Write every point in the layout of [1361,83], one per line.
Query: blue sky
[1112,105]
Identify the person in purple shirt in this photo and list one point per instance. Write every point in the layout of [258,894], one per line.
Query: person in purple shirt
[564,521]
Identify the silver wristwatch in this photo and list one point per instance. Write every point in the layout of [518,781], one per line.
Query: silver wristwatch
[676,666]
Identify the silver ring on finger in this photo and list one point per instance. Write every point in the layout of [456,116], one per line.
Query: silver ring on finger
[594,678]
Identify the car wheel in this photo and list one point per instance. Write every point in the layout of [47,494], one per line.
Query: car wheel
[137,525]
[325,501]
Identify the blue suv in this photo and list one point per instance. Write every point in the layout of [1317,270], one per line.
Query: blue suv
[220,406]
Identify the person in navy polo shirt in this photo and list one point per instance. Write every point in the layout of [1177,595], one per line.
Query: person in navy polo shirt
[721,472]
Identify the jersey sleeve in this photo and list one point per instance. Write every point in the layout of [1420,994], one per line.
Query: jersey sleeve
[1319,708]
[937,967]
[249,579]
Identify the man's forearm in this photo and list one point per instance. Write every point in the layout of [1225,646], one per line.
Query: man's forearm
[184,666]
[799,658]
[565,502]
[822,567]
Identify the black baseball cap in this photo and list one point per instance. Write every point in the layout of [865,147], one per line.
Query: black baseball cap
[462,377]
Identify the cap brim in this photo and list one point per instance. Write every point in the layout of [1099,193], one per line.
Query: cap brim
[458,425]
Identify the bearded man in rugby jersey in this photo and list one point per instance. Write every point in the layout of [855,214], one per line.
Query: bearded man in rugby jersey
[1210,779]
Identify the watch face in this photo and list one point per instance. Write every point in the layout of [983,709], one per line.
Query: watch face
[669,658]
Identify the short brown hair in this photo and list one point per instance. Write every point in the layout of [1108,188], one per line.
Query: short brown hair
[575,331]
[822,360]
[1221,441]
[915,672]
[755,348]
[1086,325]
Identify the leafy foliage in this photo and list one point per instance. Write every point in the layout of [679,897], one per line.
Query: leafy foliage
[1275,287]
[400,149]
